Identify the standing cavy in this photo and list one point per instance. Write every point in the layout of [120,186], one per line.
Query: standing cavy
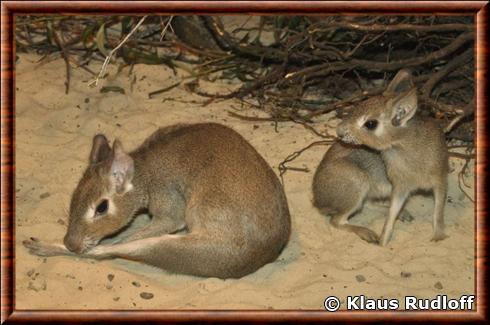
[204,178]
[385,151]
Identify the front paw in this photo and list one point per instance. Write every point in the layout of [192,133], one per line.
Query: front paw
[384,239]
[36,247]
[99,252]
[438,236]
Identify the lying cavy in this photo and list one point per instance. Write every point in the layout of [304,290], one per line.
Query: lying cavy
[204,179]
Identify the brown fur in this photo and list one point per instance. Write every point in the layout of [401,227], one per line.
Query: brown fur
[202,177]
[404,153]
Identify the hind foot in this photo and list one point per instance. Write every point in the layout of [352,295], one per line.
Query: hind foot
[405,216]
[368,235]
[39,248]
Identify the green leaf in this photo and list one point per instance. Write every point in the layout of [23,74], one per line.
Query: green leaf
[280,21]
[49,32]
[126,24]
[100,39]
[295,22]
[87,32]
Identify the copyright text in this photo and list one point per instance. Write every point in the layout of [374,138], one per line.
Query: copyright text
[440,302]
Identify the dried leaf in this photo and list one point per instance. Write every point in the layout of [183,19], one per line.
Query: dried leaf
[115,89]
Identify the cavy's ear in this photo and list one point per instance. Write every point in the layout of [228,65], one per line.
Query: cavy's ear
[403,108]
[100,149]
[122,169]
[402,82]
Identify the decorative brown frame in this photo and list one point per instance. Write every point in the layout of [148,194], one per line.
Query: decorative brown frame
[10,8]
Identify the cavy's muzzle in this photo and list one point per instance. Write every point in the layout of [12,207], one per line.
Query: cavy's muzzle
[344,135]
[77,244]
[73,244]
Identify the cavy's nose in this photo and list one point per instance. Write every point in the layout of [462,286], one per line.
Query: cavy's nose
[73,244]
[341,130]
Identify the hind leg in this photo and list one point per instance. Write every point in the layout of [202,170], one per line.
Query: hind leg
[192,253]
[352,201]
[438,221]
[40,248]
[188,253]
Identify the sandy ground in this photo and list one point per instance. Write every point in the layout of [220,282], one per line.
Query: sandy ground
[53,139]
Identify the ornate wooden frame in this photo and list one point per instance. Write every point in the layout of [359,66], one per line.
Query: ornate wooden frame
[11,8]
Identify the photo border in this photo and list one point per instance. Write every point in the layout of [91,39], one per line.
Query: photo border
[10,8]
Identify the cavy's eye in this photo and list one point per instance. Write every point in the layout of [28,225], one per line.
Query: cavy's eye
[102,207]
[371,124]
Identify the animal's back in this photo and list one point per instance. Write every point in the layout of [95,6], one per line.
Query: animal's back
[217,165]
[208,151]
[342,162]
